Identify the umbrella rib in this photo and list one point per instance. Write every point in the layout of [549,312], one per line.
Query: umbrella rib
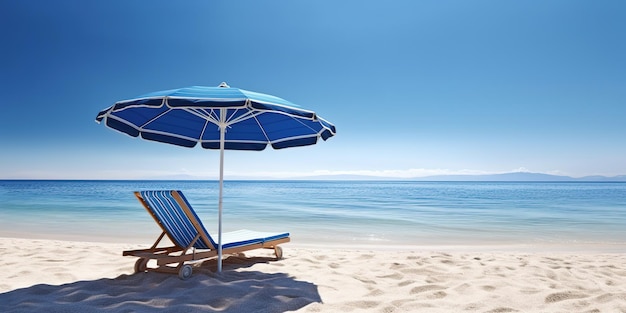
[294,138]
[141,128]
[246,116]
[168,134]
[207,116]
[206,123]
[305,125]
[267,138]
[203,114]
[121,120]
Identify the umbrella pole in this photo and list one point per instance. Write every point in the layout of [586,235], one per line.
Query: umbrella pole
[219,236]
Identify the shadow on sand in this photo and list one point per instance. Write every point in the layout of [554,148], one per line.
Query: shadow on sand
[205,291]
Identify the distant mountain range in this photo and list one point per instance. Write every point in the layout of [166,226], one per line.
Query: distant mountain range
[520,176]
[515,176]
[505,177]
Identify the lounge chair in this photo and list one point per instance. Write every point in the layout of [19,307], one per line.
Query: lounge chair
[171,210]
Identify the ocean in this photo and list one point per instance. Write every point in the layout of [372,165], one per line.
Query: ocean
[343,213]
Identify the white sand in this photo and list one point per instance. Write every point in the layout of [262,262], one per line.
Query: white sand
[63,276]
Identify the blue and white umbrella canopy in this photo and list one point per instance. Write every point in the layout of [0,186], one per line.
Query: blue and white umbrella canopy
[221,118]
[192,115]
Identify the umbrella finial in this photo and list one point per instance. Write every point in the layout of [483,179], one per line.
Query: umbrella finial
[224,85]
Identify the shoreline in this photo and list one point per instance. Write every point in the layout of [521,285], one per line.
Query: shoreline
[449,246]
[78,276]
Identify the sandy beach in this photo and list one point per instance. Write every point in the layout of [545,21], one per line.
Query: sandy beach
[65,276]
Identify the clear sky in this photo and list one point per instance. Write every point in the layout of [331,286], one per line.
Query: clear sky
[415,88]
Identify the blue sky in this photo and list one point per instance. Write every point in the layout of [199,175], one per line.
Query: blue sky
[415,88]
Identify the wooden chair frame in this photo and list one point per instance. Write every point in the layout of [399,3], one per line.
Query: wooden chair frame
[166,256]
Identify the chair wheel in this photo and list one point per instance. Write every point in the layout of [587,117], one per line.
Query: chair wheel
[185,272]
[279,252]
[141,265]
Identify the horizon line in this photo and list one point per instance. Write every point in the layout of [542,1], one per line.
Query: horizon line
[504,177]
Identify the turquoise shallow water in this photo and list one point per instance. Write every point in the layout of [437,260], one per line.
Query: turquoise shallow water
[331,212]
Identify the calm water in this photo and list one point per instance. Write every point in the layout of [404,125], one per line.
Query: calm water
[333,212]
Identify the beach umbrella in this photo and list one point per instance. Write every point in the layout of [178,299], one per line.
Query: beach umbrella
[220,118]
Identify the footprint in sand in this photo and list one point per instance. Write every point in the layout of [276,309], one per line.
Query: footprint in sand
[611,297]
[365,256]
[65,276]
[311,261]
[502,310]
[551,275]
[375,292]
[396,276]
[364,280]
[462,287]
[473,306]
[334,265]
[562,296]
[437,295]
[397,266]
[21,274]
[420,289]
[488,288]
[529,291]
[362,305]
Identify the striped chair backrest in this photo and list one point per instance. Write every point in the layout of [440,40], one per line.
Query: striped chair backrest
[172,218]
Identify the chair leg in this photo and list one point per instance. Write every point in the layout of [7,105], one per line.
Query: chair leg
[278,251]
[141,265]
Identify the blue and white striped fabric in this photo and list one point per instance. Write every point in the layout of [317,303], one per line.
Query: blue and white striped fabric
[173,219]
[192,115]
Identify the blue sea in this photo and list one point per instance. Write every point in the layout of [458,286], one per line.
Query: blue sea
[347,213]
